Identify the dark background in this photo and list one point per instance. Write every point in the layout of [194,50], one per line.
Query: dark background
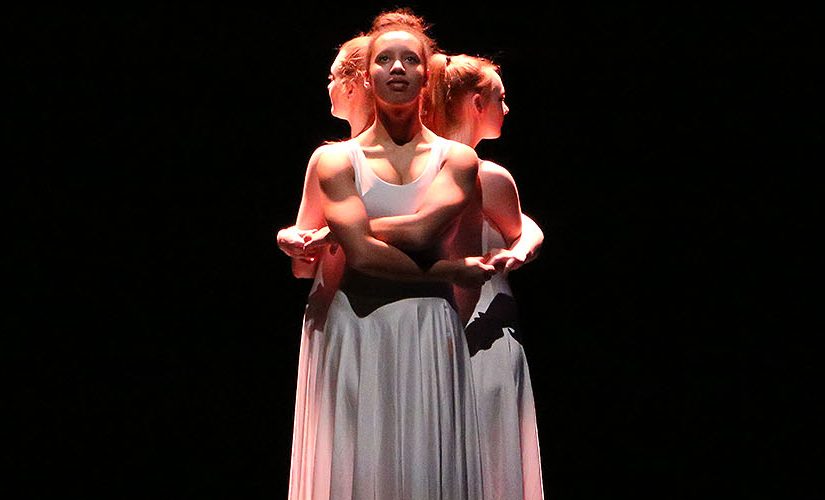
[171,142]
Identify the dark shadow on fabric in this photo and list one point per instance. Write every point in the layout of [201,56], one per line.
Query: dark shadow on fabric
[487,327]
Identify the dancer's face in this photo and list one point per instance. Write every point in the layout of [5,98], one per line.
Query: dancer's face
[492,115]
[338,91]
[397,72]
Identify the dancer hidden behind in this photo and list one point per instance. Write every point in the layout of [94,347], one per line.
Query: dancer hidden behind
[465,102]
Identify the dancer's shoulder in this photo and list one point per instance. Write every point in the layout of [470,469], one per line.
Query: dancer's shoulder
[494,171]
[460,155]
[333,159]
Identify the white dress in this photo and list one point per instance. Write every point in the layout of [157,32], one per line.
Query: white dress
[504,395]
[385,406]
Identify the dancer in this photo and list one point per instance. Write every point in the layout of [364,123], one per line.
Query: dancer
[351,101]
[466,102]
[392,401]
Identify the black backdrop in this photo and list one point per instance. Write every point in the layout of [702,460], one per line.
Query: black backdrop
[172,141]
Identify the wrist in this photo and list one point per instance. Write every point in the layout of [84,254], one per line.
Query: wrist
[444,271]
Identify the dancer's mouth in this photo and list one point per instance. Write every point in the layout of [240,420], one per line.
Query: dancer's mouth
[398,84]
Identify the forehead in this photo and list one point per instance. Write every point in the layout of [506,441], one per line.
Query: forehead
[336,64]
[399,39]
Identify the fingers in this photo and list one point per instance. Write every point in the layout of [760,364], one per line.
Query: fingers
[290,240]
[314,244]
[291,248]
[495,259]
[512,265]
[500,258]
[319,238]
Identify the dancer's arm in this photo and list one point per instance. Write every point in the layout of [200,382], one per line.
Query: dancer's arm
[347,218]
[291,240]
[502,207]
[444,200]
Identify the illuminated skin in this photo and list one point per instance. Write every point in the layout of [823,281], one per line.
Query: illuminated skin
[500,195]
[480,116]
[339,108]
[397,147]
[397,86]
[347,98]
[500,201]
[397,72]
[505,405]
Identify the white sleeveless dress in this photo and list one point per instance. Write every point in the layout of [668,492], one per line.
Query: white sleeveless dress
[385,406]
[504,395]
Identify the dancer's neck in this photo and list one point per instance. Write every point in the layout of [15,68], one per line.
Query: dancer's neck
[398,124]
[358,124]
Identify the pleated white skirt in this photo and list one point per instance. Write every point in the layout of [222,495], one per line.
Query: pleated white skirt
[511,457]
[385,407]
[507,421]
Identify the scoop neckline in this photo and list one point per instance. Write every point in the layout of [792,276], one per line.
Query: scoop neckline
[420,176]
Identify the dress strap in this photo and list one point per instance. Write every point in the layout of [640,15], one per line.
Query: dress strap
[356,156]
[443,146]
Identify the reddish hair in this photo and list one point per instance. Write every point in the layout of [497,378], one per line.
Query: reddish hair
[400,16]
[354,63]
[452,79]
[402,20]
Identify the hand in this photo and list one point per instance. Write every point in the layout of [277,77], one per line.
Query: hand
[317,240]
[291,241]
[505,260]
[473,273]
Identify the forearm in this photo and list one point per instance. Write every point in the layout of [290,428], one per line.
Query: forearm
[346,216]
[456,184]
[530,241]
[376,258]
[407,232]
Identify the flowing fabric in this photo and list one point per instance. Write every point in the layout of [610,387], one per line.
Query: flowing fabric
[385,407]
[504,395]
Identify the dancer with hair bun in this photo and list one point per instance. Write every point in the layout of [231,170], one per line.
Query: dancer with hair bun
[388,411]
[465,102]
[351,101]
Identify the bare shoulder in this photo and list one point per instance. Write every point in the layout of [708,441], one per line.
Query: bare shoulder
[313,160]
[332,160]
[312,164]
[461,156]
[493,173]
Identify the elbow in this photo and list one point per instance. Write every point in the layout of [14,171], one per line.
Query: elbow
[358,258]
[535,250]
[359,262]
